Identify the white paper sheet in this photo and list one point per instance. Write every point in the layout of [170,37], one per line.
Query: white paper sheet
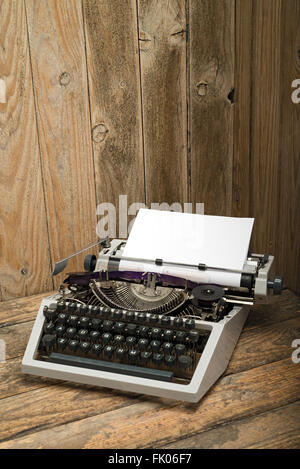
[184,238]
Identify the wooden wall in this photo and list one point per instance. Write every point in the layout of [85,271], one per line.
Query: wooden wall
[164,101]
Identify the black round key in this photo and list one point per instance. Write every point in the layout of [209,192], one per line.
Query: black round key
[143,344]
[72,307]
[165,321]
[119,339]
[71,332]
[106,313]
[131,329]
[107,325]
[49,328]
[118,314]
[168,335]
[133,355]
[85,346]
[194,336]
[157,358]
[178,322]
[130,315]
[184,361]
[73,321]
[143,331]
[189,324]
[83,322]
[154,318]
[170,360]
[62,343]
[180,336]
[83,334]
[167,347]
[94,335]
[121,353]
[83,309]
[155,345]
[96,324]
[119,327]
[106,337]
[145,357]
[131,341]
[156,333]
[95,311]
[141,317]
[60,306]
[50,312]
[73,345]
[96,349]
[60,330]
[108,351]
[179,349]
[48,342]
[62,318]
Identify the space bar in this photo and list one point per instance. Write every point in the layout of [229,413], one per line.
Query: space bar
[112,367]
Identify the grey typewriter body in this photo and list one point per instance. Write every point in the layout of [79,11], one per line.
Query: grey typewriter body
[145,334]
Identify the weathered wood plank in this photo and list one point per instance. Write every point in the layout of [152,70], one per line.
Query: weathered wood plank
[288,246]
[266,88]
[162,44]
[243,394]
[211,54]
[242,109]
[115,101]
[21,309]
[24,247]
[276,429]
[60,83]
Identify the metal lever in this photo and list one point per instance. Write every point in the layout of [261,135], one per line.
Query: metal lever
[61,265]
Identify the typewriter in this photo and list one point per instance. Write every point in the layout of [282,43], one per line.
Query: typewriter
[141,330]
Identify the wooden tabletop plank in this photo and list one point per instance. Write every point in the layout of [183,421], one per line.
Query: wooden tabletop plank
[21,309]
[158,421]
[275,429]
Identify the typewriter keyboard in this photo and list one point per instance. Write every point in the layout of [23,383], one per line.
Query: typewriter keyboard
[133,343]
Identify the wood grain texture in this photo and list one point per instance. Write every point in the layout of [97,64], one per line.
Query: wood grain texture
[60,84]
[288,207]
[211,112]
[242,109]
[24,248]
[114,84]
[162,44]
[21,309]
[276,429]
[265,124]
[235,396]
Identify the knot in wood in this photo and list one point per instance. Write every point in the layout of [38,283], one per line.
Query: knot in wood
[99,133]
[202,88]
[64,79]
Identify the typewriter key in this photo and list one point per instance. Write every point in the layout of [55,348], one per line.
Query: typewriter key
[118,314]
[96,324]
[157,358]
[154,319]
[85,346]
[143,331]
[107,325]
[165,320]
[180,336]
[62,318]
[72,307]
[179,349]
[168,335]
[83,334]
[167,347]
[119,339]
[130,315]
[133,356]
[119,327]
[83,322]
[83,309]
[189,323]
[178,322]
[95,311]
[145,357]
[131,341]
[143,344]
[121,353]
[155,333]
[131,329]
[60,306]
[60,330]
[94,335]
[184,361]
[155,345]
[73,321]
[96,349]
[194,336]
[49,328]
[170,360]
[62,343]
[48,342]
[141,317]
[108,351]
[73,345]
[106,337]
[50,313]
[71,332]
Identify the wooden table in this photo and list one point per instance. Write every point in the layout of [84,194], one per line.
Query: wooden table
[254,405]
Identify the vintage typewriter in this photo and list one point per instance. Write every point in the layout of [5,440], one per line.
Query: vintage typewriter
[143,331]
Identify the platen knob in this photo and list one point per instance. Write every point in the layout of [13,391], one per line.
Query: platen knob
[90,262]
[276,285]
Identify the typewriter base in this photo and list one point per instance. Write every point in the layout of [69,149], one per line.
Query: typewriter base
[212,364]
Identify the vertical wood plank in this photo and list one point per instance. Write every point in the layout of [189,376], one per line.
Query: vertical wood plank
[265,124]
[60,81]
[212,46]
[162,42]
[288,228]
[242,109]
[114,84]
[24,248]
